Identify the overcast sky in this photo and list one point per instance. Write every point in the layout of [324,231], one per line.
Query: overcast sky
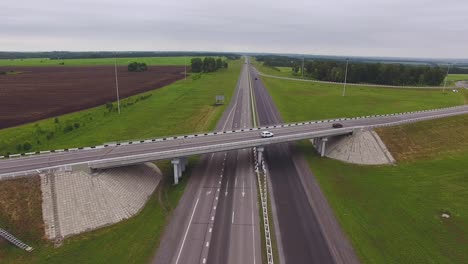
[398,28]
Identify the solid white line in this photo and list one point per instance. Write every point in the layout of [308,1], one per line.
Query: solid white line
[186,231]
[253,224]
[243,188]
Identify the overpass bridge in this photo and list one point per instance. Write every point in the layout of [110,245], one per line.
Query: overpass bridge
[179,147]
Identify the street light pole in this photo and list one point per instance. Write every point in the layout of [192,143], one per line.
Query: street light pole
[446,76]
[302,71]
[117,84]
[345,78]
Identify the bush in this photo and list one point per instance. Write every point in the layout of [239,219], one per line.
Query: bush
[76,125]
[50,135]
[137,67]
[27,146]
[56,120]
[68,128]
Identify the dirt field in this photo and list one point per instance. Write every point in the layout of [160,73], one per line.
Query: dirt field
[34,93]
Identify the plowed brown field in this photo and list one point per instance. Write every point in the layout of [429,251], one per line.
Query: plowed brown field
[40,92]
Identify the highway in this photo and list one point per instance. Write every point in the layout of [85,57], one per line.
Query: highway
[157,149]
[217,220]
[306,229]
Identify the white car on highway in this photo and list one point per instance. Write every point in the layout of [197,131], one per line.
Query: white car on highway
[266,134]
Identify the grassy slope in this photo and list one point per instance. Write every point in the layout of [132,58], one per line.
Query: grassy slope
[182,107]
[452,78]
[300,101]
[93,62]
[392,213]
[187,103]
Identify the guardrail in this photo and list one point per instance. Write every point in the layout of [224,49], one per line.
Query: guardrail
[153,140]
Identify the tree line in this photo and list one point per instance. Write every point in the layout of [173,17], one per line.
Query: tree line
[53,55]
[360,72]
[208,64]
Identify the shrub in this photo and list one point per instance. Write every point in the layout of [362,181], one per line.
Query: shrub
[27,146]
[137,67]
[76,125]
[68,128]
[50,135]
[56,120]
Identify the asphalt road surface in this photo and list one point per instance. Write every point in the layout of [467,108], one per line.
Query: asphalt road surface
[303,232]
[217,220]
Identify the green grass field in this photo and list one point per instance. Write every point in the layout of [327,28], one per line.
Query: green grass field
[452,78]
[302,101]
[392,214]
[95,62]
[182,107]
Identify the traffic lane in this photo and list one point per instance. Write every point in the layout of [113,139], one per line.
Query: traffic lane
[192,242]
[221,228]
[302,238]
[245,240]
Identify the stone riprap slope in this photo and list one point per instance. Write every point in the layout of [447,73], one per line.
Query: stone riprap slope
[76,201]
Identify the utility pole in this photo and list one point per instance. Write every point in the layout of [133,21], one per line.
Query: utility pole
[302,71]
[446,76]
[345,78]
[117,84]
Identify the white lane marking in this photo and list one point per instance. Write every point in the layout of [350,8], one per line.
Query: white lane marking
[227,186]
[214,207]
[212,218]
[204,260]
[233,217]
[216,197]
[207,244]
[243,188]
[211,229]
[186,231]
[253,225]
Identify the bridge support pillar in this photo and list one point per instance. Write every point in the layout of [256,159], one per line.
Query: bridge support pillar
[183,164]
[322,148]
[260,155]
[177,170]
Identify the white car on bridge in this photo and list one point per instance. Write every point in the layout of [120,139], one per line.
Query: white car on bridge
[266,134]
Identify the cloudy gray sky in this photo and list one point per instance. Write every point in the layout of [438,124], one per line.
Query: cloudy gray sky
[401,28]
